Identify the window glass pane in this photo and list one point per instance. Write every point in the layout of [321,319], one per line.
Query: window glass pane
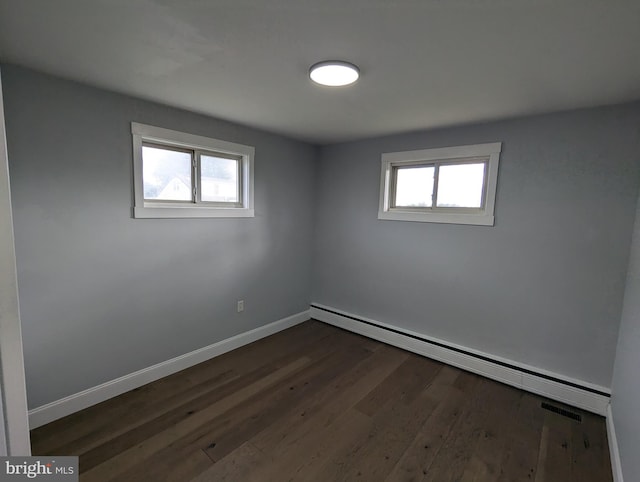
[219,179]
[461,185]
[414,186]
[166,174]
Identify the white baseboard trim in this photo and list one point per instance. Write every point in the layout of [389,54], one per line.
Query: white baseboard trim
[616,466]
[516,374]
[86,398]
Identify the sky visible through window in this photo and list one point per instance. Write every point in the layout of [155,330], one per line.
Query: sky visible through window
[414,186]
[459,185]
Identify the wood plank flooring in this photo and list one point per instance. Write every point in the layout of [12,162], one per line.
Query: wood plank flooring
[315,403]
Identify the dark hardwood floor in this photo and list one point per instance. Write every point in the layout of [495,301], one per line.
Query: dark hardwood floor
[315,403]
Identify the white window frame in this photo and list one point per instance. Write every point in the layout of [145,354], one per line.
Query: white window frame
[483,216]
[142,208]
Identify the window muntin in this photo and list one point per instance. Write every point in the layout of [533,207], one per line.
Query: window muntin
[448,185]
[183,175]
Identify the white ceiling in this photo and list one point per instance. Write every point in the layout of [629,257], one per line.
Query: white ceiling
[424,63]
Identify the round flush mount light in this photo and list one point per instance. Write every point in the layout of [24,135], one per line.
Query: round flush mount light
[334,73]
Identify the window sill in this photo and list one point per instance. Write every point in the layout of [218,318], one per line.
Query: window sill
[191,212]
[448,218]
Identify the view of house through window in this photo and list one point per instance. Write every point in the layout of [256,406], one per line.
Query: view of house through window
[168,175]
[219,179]
[178,174]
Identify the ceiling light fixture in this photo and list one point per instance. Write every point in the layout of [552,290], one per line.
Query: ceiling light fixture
[334,73]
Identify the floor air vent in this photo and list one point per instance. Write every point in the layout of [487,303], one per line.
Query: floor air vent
[561,411]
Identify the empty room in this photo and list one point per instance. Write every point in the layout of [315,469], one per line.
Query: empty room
[369,240]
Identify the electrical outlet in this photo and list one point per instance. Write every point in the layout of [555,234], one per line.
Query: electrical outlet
[240,306]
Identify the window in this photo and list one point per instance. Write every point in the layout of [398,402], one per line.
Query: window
[448,185]
[180,175]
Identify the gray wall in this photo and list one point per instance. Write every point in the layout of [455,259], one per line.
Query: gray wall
[626,375]
[102,294]
[544,286]
[14,426]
